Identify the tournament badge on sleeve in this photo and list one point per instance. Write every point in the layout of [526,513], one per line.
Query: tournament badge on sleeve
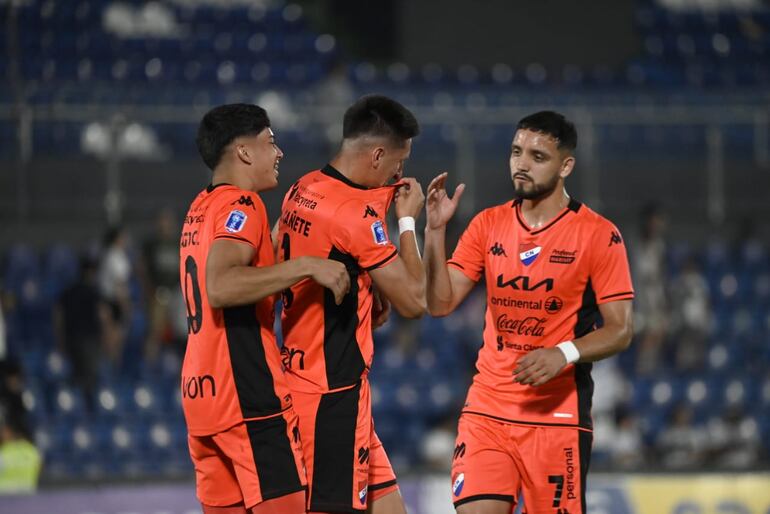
[235,221]
[378,231]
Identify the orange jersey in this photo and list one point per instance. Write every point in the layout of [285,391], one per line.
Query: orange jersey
[544,286]
[232,368]
[329,346]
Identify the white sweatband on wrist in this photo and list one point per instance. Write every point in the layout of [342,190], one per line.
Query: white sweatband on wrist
[570,351]
[405,224]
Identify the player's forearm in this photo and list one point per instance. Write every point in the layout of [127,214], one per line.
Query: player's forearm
[439,286]
[410,254]
[242,285]
[604,342]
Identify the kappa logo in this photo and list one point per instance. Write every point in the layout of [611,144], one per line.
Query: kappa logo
[245,200]
[363,455]
[370,212]
[615,238]
[459,451]
[293,191]
[497,250]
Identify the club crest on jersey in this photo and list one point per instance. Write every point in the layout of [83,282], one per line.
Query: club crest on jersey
[528,253]
[458,483]
[363,489]
[235,221]
[378,231]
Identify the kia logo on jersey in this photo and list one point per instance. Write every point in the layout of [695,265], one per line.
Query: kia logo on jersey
[528,253]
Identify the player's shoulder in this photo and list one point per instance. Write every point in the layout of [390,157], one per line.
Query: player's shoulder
[593,219]
[494,213]
[236,198]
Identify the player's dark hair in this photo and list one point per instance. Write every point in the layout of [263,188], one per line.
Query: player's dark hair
[221,125]
[553,124]
[379,116]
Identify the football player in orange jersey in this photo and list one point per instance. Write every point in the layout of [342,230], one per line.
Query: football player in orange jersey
[339,212]
[243,432]
[558,298]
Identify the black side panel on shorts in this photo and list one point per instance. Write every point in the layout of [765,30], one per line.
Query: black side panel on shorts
[585,440]
[273,457]
[252,376]
[335,441]
[344,362]
[587,317]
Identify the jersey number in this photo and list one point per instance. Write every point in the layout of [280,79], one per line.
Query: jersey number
[559,481]
[192,296]
[286,296]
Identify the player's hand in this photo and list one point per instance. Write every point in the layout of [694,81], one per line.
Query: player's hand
[380,308]
[333,275]
[539,366]
[439,208]
[409,198]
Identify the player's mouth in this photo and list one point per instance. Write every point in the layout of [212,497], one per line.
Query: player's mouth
[521,176]
[397,177]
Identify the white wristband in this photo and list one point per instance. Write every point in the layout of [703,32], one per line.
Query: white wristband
[405,224]
[570,351]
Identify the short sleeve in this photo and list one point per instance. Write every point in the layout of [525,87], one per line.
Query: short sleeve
[469,254]
[610,273]
[363,233]
[240,216]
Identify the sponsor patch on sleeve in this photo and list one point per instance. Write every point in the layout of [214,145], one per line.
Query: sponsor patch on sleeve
[378,231]
[235,221]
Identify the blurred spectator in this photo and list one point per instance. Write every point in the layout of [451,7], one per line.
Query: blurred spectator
[166,304]
[3,341]
[682,444]
[626,446]
[692,316]
[648,260]
[734,440]
[81,316]
[11,388]
[438,444]
[20,460]
[114,273]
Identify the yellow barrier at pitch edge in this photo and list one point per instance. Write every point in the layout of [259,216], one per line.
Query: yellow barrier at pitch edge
[704,494]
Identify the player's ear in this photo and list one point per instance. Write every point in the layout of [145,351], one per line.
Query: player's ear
[566,166]
[243,154]
[377,154]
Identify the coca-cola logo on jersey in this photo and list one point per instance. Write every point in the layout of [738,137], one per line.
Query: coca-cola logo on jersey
[530,326]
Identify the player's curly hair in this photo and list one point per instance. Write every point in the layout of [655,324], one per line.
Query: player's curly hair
[221,125]
[379,116]
[553,124]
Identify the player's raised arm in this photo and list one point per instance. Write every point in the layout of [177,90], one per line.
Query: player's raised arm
[446,287]
[231,280]
[403,280]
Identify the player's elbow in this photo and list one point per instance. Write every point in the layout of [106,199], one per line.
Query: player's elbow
[414,309]
[439,311]
[625,335]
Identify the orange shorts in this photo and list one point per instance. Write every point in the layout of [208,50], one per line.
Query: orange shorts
[249,463]
[347,466]
[496,461]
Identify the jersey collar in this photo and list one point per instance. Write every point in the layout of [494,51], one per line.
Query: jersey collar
[332,172]
[572,206]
